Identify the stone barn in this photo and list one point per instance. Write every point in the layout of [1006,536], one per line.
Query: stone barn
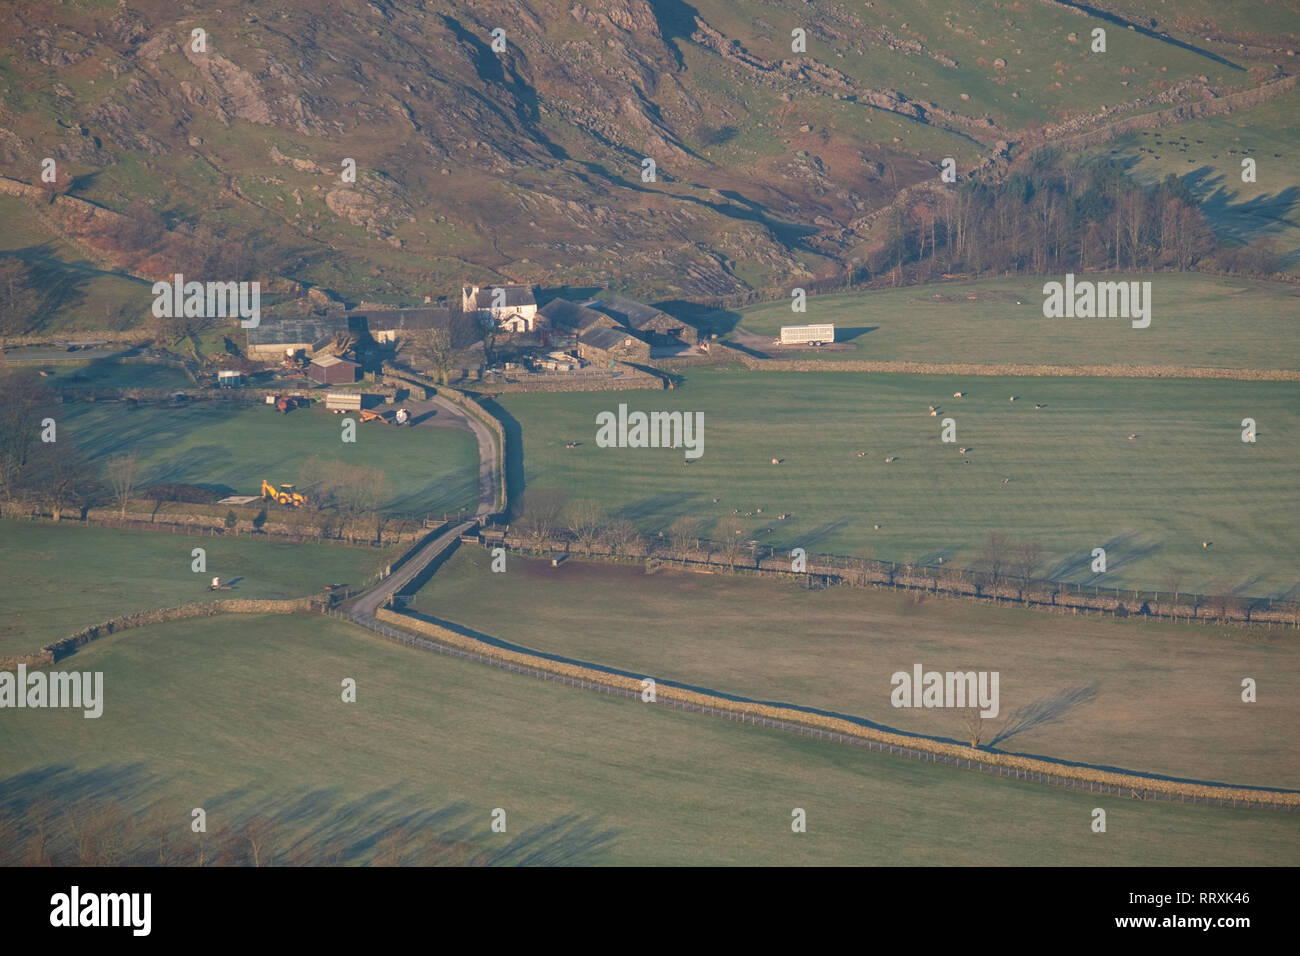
[657,328]
[600,346]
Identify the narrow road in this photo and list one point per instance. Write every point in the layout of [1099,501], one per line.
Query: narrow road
[365,605]
[438,412]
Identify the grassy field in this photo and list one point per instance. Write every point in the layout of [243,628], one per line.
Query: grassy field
[248,720]
[428,470]
[1102,691]
[1076,481]
[1195,320]
[60,578]
[1207,153]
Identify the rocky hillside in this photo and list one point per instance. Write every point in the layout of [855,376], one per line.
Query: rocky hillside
[507,140]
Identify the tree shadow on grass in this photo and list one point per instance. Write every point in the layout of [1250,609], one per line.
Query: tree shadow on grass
[1045,710]
[1121,551]
[391,825]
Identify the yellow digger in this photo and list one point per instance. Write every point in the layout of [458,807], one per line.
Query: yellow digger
[285,495]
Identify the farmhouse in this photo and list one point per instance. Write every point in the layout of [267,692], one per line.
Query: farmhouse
[657,328]
[512,307]
[332,370]
[604,346]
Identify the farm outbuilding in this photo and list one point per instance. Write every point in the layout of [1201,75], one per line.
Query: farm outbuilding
[304,333]
[600,346]
[228,378]
[332,370]
[654,326]
[570,316]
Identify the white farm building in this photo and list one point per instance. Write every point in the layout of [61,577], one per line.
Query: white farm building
[807,334]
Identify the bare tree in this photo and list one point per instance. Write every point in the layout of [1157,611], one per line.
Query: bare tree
[684,533]
[22,399]
[993,558]
[1173,581]
[123,477]
[1027,561]
[621,535]
[586,520]
[973,725]
[61,477]
[731,534]
[540,510]
[435,347]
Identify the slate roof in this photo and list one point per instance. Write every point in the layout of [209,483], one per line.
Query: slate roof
[515,296]
[605,338]
[572,315]
[388,320]
[634,314]
[301,328]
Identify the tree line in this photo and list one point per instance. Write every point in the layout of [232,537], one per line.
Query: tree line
[1057,215]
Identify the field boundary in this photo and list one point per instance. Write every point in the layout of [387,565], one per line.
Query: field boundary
[1020,371]
[824,570]
[60,649]
[417,632]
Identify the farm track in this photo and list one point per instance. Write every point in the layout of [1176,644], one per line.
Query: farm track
[437,412]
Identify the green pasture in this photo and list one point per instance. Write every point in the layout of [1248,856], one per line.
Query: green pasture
[243,716]
[1073,479]
[59,578]
[1154,698]
[1195,320]
[427,470]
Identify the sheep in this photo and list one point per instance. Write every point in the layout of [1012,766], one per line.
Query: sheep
[877,527]
[862,454]
[958,394]
[1133,437]
[891,458]
[1006,481]
[782,517]
[715,501]
[962,450]
[758,511]
[1039,405]
[932,409]
[777,461]
[1206,545]
[934,414]
[1013,398]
